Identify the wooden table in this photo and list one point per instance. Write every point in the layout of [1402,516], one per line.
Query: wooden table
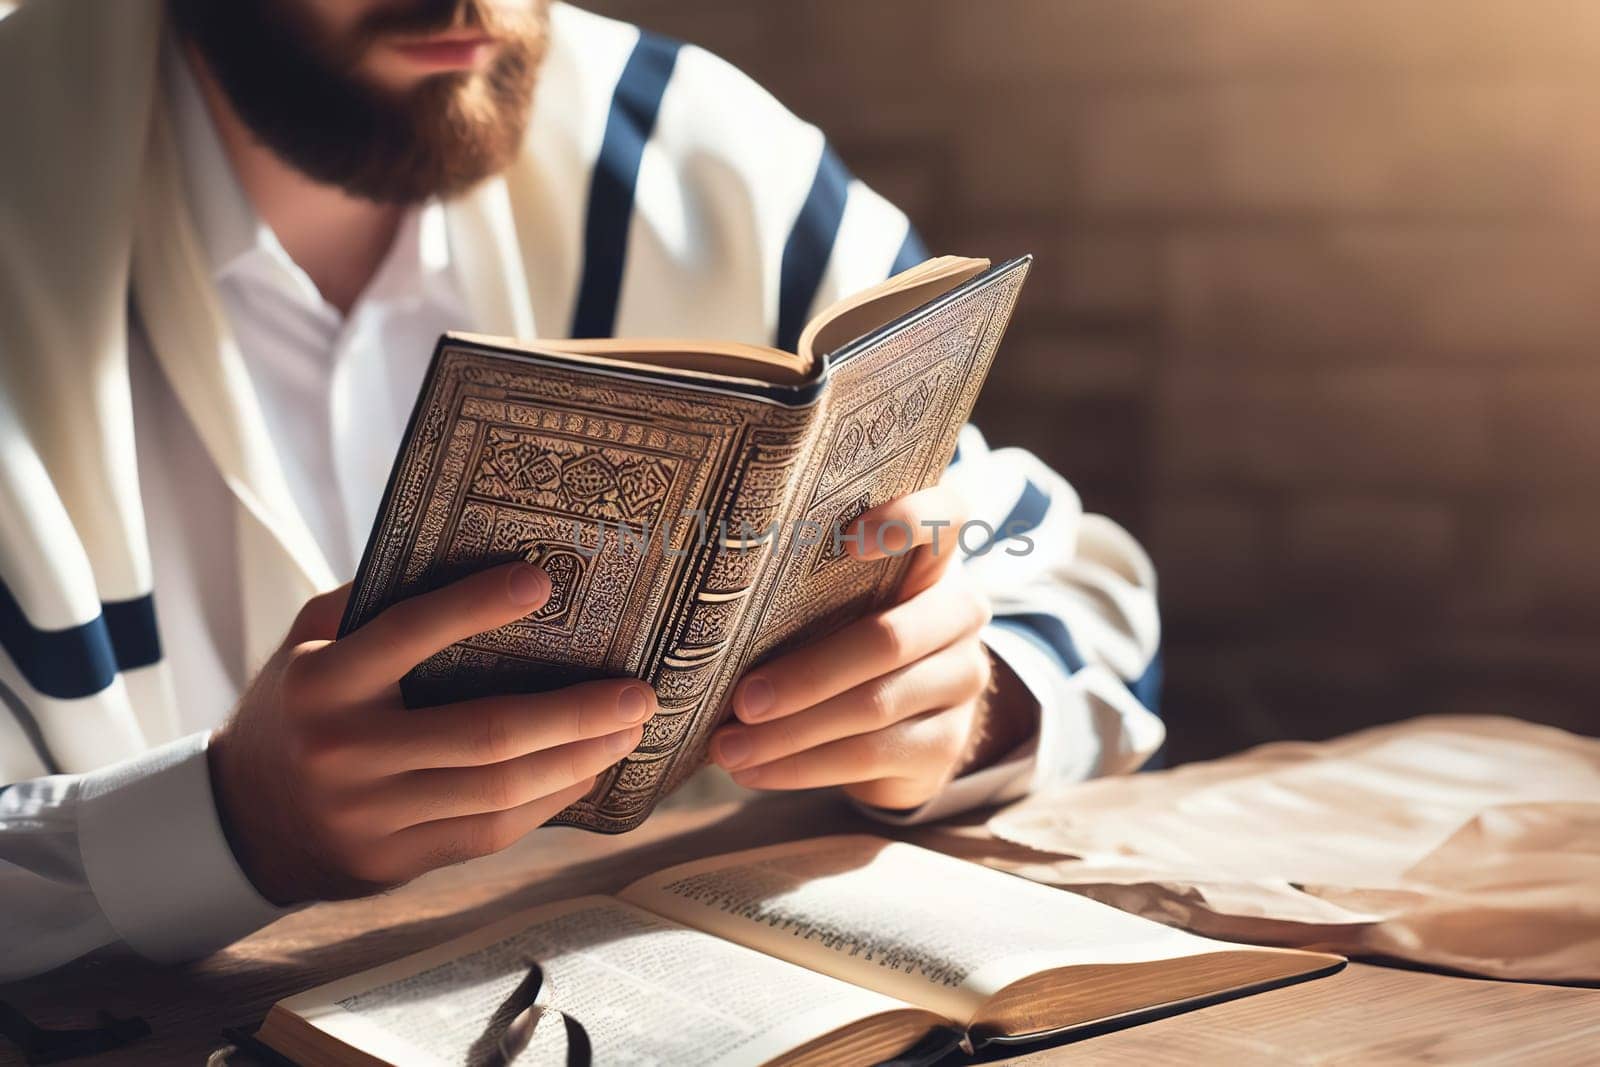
[1365,1014]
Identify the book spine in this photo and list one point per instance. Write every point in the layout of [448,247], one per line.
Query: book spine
[698,664]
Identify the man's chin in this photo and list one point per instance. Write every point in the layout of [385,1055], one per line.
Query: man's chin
[381,122]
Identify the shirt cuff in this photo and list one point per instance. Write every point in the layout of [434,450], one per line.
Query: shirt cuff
[156,857]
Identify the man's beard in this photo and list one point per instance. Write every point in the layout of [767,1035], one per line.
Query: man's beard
[302,96]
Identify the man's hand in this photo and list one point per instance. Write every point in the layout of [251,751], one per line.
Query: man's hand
[894,705]
[329,787]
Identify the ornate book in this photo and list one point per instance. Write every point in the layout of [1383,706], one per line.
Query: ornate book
[685,498]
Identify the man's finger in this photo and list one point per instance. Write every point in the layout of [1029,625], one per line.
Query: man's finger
[948,677]
[863,758]
[385,649]
[452,792]
[930,517]
[422,848]
[865,649]
[488,730]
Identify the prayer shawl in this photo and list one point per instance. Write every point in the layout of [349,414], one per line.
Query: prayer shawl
[660,192]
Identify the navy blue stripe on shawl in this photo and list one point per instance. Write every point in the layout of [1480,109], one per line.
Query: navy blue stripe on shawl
[912,251]
[1049,633]
[1147,687]
[132,626]
[80,661]
[809,247]
[635,104]
[1026,514]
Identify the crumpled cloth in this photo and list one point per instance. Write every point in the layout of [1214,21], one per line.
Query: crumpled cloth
[1464,843]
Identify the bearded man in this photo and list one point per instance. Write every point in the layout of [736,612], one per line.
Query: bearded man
[231,233]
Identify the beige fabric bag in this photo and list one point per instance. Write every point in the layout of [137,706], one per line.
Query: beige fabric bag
[1466,843]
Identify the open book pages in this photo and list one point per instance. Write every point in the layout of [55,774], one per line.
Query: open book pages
[992,953]
[841,322]
[832,951]
[646,990]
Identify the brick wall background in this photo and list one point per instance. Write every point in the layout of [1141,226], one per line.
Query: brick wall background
[1314,313]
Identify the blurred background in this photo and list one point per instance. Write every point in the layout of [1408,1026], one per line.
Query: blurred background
[1315,313]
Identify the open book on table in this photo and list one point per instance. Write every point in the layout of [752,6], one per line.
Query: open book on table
[837,950]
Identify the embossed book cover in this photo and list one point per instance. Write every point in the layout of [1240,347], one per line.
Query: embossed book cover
[682,496]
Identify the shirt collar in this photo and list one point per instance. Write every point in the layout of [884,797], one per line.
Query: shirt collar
[236,241]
